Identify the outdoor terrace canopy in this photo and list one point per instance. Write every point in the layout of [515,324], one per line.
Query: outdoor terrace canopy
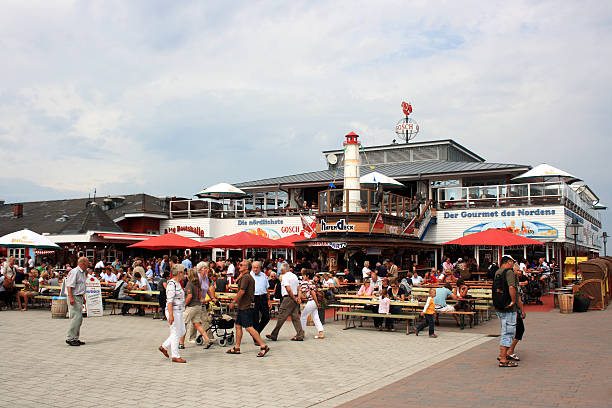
[166,241]
[242,240]
[494,237]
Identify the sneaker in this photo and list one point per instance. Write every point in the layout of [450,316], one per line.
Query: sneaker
[73,342]
[416,332]
[433,336]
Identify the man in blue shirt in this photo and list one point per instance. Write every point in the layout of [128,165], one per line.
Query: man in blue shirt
[187,262]
[442,294]
[261,313]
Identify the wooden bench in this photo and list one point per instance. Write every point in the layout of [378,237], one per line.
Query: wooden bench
[114,303]
[407,317]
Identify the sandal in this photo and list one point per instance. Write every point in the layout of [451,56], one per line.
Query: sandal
[508,364]
[514,357]
[263,351]
[208,344]
[233,350]
[296,339]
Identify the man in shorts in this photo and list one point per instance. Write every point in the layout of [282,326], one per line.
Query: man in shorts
[508,316]
[244,318]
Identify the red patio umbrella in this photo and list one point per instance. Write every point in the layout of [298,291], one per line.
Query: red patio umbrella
[494,237]
[166,241]
[241,240]
[289,240]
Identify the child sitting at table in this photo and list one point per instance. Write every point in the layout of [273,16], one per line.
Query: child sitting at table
[428,313]
[384,304]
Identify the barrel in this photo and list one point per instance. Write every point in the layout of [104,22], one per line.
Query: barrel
[59,307]
[566,303]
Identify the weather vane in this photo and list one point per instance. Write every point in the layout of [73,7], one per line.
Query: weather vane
[406,129]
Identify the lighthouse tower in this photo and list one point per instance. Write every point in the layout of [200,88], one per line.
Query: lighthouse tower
[351,173]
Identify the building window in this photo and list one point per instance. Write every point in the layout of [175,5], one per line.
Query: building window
[90,253]
[19,254]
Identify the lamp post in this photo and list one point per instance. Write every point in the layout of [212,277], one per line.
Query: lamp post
[573,229]
[605,241]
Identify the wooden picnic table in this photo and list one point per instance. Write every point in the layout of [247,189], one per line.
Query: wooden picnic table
[142,292]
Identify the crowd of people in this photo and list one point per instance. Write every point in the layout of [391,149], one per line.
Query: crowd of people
[187,291]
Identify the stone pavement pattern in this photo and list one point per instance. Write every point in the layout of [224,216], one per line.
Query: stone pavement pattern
[566,362]
[120,364]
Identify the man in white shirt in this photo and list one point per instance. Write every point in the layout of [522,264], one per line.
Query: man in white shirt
[99,266]
[416,279]
[261,312]
[290,305]
[366,271]
[30,263]
[109,276]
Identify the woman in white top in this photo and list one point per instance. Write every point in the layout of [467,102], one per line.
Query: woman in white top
[175,298]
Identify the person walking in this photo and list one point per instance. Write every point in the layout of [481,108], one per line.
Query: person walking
[505,283]
[428,314]
[193,310]
[244,318]
[75,289]
[261,312]
[175,305]
[290,305]
[520,316]
[308,293]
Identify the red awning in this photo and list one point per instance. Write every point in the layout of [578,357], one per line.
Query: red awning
[288,241]
[242,240]
[126,237]
[166,241]
[494,237]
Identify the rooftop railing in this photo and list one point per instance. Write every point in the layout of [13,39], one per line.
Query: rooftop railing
[231,209]
[555,193]
[370,201]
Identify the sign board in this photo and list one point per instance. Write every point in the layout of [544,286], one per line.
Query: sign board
[267,227]
[93,297]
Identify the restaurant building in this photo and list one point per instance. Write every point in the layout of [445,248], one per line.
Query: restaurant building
[443,191]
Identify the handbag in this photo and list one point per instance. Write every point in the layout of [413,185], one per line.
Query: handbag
[8,283]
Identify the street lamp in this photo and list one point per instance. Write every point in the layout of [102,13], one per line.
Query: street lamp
[573,229]
[605,240]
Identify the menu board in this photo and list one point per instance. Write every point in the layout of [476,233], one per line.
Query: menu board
[93,297]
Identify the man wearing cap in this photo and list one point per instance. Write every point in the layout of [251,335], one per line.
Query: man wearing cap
[507,316]
[75,290]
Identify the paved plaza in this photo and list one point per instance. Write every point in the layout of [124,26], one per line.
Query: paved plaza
[120,364]
[566,363]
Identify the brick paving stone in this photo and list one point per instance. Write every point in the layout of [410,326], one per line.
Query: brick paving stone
[121,359]
[566,362]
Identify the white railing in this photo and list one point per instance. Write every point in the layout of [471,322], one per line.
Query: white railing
[232,209]
[513,195]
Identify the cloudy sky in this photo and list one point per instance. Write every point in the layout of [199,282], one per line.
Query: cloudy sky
[170,97]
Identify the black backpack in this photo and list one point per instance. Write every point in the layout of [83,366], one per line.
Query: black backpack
[501,291]
[117,290]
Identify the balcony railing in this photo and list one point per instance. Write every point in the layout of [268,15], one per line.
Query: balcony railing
[233,209]
[370,201]
[516,195]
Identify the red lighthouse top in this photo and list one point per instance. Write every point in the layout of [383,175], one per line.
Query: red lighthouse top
[351,138]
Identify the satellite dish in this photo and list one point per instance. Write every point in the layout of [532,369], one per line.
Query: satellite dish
[332,158]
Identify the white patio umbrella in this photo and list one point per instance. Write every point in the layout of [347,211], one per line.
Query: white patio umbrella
[546,171]
[374,178]
[222,190]
[27,239]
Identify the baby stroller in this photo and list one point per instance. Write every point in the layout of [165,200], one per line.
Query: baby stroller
[222,328]
[532,292]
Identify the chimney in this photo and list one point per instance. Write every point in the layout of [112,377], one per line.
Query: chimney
[18,210]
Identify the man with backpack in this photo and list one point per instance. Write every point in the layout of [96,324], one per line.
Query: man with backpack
[505,294]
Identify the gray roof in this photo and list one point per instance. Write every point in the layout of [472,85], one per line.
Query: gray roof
[92,218]
[397,170]
[53,216]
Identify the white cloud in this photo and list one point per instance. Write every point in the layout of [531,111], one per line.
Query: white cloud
[144,91]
